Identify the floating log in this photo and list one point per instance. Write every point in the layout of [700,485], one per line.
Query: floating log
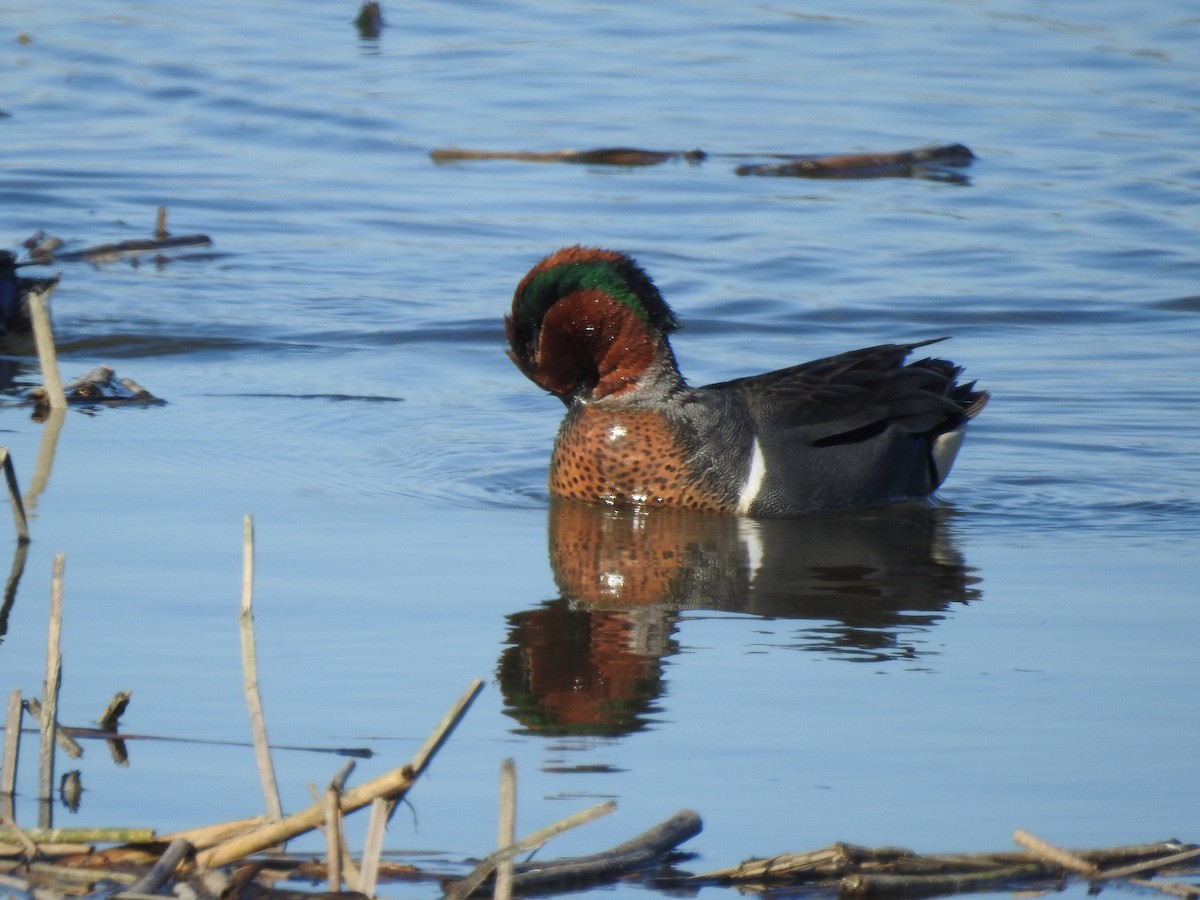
[905,163]
[919,162]
[863,871]
[602,156]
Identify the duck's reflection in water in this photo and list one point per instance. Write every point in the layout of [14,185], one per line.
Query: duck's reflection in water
[590,662]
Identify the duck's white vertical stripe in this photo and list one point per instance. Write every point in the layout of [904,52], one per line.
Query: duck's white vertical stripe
[754,480]
[944,451]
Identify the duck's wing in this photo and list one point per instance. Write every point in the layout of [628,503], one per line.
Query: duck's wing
[856,395]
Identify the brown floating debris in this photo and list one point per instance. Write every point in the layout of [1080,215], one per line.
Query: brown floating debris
[100,386]
[604,156]
[111,717]
[369,20]
[931,161]
[906,163]
[863,871]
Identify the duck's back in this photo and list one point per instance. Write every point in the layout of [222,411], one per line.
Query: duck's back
[847,432]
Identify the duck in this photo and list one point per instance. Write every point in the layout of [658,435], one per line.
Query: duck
[853,431]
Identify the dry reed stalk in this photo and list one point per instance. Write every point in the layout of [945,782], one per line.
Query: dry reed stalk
[391,784]
[43,336]
[381,811]
[110,719]
[210,835]
[81,835]
[46,850]
[76,875]
[480,873]
[69,745]
[20,520]
[258,725]
[333,840]
[832,861]
[12,830]
[875,884]
[12,744]
[1048,852]
[506,830]
[51,685]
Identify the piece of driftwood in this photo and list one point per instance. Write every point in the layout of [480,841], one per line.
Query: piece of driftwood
[905,163]
[208,836]
[62,736]
[44,249]
[642,852]
[80,835]
[864,871]
[460,890]
[601,156]
[44,850]
[931,161]
[111,717]
[369,20]
[160,873]
[99,386]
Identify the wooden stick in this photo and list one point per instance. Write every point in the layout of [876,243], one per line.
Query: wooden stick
[637,853]
[1048,852]
[62,736]
[381,811]
[479,874]
[83,835]
[391,784]
[258,726]
[52,683]
[333,839]
[1150,865]
[149,883]
[111,717]
[12,744]
[874,884]
[14,496]
[43,335]
[210,835]
[12,830]
[506,831]
[45,850]
[102,253]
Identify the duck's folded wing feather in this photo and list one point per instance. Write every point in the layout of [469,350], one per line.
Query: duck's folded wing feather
[855,395]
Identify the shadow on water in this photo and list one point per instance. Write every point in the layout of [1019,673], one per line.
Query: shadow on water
[591,661]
